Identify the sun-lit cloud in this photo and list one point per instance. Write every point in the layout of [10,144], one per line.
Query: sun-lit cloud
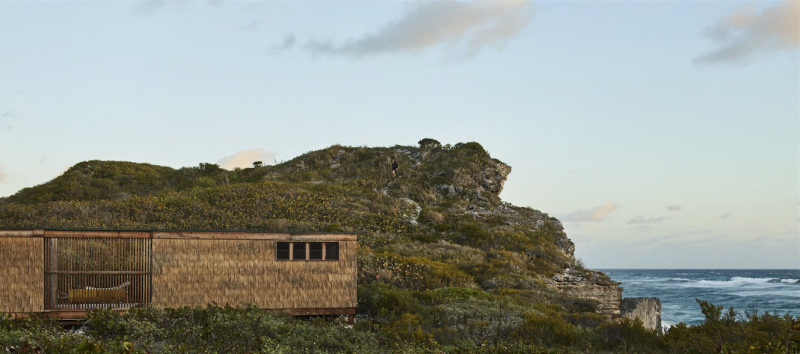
[245,158]
[747,32]
[725,216]
[640,219]
[462,28]
[674,207]
[3,176]
[596,214]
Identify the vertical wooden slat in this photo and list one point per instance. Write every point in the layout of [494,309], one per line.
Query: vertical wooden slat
[91,257]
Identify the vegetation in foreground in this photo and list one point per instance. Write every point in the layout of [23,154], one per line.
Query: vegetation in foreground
[444,265]
[225,329]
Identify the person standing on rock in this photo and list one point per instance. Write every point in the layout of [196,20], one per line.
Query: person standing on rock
[394,168]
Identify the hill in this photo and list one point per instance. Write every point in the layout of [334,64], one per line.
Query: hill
[444,263]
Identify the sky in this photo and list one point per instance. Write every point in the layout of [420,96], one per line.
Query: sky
[663,134]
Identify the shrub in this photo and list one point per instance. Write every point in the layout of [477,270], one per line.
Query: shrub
[431,216]
[428,144]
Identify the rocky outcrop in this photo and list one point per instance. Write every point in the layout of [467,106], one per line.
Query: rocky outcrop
[593,285]
[596,285]
[494,177]
[646,309]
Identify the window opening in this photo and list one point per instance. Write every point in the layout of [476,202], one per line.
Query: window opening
[299,249]
[332,251]
[303,251]
[283,250]
[315,250]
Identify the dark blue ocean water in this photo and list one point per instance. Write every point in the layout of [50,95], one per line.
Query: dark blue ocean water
[773,290]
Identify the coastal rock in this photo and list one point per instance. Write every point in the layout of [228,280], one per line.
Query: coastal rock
[593,285]
[646,309]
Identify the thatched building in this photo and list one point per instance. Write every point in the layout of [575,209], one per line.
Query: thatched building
[65,272]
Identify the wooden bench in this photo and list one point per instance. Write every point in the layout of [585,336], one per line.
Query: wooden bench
[96,296]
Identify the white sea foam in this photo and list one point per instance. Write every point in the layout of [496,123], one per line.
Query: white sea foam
[790,281]
[735,281]
[768,293]
[751,280]
[680,279]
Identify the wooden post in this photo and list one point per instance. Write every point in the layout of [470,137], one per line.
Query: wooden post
[51,278]
[351,319]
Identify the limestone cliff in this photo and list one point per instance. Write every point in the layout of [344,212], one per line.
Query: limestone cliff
[594,285]
[646,309]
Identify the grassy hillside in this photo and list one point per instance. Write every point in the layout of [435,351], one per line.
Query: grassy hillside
[444,264]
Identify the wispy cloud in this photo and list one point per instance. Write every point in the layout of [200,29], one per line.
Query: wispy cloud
[640,219]
[287,43]
[725,216]
[3,175]
[596,214]
[252,26]
[246,158]
[747,32]
[8,114]
[674,207]
[462,28]
[693,236]
[148,7]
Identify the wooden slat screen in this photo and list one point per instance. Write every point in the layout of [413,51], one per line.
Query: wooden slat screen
[87,273]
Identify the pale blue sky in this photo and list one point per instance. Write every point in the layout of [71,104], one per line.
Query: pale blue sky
[608,112]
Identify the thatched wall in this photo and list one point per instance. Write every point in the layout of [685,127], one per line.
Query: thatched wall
[242,272]
[22,279]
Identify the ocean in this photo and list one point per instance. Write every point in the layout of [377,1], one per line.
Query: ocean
[773,290]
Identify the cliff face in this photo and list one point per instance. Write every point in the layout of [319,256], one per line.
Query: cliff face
[594,285]
[646,309]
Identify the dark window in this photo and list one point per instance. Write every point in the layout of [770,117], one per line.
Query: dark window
[283,250]
[332,251]
[299,251]
[315,250]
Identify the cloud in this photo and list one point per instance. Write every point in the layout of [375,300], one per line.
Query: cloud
[596,214]
[148,7]
[725,216]
[639,219]
[246,158]
[252,26]
[747,32]
[8,114]
[463,28]
[287,43]
[674,207]
[3,176]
